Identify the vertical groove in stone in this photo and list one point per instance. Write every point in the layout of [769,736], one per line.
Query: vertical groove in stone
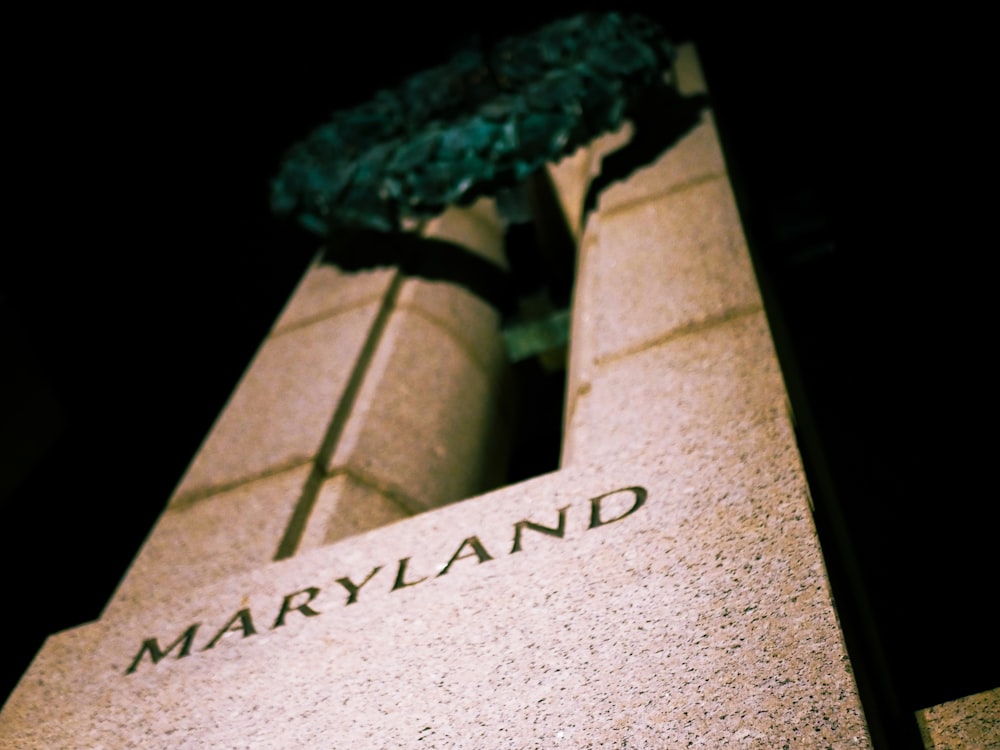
[310,490]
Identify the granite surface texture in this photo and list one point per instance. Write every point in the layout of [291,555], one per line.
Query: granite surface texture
[689,265]
[477,228]
[423,420]
[347,505]
[571,175]
[697,156]
[218,536]
[281,410]
[969,722]
[665,588]
[701,617]
[326,290]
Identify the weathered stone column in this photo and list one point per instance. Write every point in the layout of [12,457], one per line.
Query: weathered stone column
[427,425]
[665,588]
[376,396]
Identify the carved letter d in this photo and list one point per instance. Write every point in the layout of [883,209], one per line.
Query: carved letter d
[595,506]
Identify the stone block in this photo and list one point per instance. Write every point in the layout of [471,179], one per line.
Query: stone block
[279,414]
[665,589]
[570,178]
[326,290]
[689,264]
[697,156]
[424,423]
[346,506]
[969,722]
[472,322]
[485,209]
[478,228]
[710,393]
[697,617]
[218,536]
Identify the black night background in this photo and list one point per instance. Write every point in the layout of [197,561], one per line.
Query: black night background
[142,268]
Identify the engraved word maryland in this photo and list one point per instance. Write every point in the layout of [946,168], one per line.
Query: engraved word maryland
[300,601]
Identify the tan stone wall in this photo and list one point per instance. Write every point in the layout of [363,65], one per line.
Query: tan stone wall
[375,397]
[970,722]
[664,588]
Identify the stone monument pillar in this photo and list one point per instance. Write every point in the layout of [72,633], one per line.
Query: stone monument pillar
[313,582]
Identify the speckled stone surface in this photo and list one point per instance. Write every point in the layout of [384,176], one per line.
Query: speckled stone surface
[571,175]
[425,423]
[696,156]
[701,617]
[688,265]
[279,414]
[226,515]
[478,228]
[664,589]
[697,395]
[471,322]
[215,537]
[969,722]
[326,290]
[345,506]
[569,178]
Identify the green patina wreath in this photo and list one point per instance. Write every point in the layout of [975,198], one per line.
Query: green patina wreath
[479,124]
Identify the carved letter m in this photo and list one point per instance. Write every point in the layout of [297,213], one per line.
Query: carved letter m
[184,640]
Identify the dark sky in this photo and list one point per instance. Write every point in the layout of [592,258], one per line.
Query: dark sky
[142,269]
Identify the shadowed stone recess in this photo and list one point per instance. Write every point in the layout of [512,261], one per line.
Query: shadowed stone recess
[696,156]
[477,228]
